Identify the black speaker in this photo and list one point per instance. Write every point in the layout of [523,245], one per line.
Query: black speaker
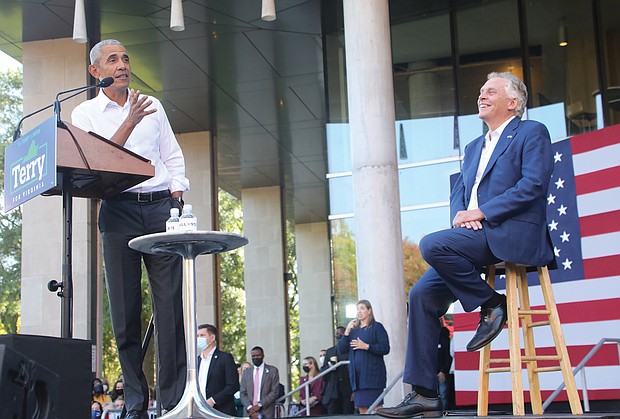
[70,359]
[27,389]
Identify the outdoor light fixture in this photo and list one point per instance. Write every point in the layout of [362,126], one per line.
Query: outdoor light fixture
[562,37]
[79,23]
[177,22]
[269,10]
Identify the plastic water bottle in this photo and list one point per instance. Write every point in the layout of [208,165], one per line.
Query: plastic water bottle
[188,221]
[172,224]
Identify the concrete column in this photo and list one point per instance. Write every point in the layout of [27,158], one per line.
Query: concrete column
[51,66]
[375,172]
[265,289]
[315,289]
[196,148]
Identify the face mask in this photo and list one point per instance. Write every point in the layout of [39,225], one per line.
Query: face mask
[105,388]
[95,414]
[306,368]
[202,344]
[257,361]
[98,388]
[119,391]
[321,360]
[338,337]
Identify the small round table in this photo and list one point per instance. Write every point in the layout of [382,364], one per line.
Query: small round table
[190,244]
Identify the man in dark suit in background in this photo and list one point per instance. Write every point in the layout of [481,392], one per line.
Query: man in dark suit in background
[259,386]
[217,372]
[498,210]
[337,390]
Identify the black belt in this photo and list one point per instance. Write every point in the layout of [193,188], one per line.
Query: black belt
[143,196]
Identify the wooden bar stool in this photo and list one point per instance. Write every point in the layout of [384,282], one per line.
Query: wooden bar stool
[516,282]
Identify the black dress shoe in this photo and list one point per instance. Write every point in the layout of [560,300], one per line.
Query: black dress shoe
[492,321]
[136,414]
[413,405]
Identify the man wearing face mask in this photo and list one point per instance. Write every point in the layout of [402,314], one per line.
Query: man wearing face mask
[337,391]
[259,386]
[218,379]
[99,392]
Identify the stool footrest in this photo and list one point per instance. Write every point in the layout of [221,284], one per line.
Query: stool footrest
[548,369]
[498,369]
[538,324]
[523,313]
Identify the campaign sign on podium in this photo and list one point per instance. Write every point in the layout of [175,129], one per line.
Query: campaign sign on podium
[30,165]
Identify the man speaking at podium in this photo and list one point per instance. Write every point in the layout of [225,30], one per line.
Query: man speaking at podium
[139,123]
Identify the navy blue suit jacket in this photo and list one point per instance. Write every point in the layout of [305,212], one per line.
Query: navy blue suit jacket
[222,381]
[371,364]
[512,192]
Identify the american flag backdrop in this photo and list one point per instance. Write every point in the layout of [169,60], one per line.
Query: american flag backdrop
[583,215]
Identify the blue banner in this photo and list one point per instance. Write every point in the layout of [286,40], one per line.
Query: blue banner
[30,165]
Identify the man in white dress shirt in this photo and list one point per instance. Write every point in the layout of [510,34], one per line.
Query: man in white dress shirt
[139,123]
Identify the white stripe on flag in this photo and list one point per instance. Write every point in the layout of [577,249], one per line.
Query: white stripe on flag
[595,160]
[564,292]
[598,202]
[587,333]
[601,245]
[597,378]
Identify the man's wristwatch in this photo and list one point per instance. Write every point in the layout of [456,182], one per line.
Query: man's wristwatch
[179,199]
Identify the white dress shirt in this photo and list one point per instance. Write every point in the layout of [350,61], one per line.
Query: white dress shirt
[203,371]
[152,139]
[490,142]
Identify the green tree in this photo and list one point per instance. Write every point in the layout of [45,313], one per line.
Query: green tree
[10,223]
[293,304]
[232,298]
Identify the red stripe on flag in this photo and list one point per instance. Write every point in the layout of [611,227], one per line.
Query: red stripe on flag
[607,355]
[574,312]
[470,398]
[601,267]
[595,139]
[607,222]
[597,181]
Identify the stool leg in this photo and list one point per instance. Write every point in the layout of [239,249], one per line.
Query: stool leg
[528,343]
[514,341]
[485,362]
[560,345]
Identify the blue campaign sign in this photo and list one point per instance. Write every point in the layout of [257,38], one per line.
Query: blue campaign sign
[30,165]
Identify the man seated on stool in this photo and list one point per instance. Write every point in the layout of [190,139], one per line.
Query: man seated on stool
[498,210]
[217,372]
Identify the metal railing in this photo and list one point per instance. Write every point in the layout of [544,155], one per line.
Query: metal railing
[386,391]
[581,368]
[307,385]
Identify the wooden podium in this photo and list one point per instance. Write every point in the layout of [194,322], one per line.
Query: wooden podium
[88,166]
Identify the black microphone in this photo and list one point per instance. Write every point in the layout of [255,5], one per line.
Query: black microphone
[103,83]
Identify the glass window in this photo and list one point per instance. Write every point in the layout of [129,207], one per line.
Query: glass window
[344,267]
[341,195]
[425,139]
[338,148]
[418,223]
[426,184]
[563,60]
[423,80]
[488,40]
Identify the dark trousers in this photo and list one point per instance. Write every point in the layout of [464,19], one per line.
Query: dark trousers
[119,222]
[456,257]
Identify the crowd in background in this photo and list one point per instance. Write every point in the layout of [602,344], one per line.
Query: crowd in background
[346,389]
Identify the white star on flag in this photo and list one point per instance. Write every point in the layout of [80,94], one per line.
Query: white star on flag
[559,184]
[556,251]
[562,210]
[550,199]
[553,225]
[565,237]
[567,264]
[557,157]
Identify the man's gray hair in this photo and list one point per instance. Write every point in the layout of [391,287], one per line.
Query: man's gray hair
[515,89]
[97,50]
